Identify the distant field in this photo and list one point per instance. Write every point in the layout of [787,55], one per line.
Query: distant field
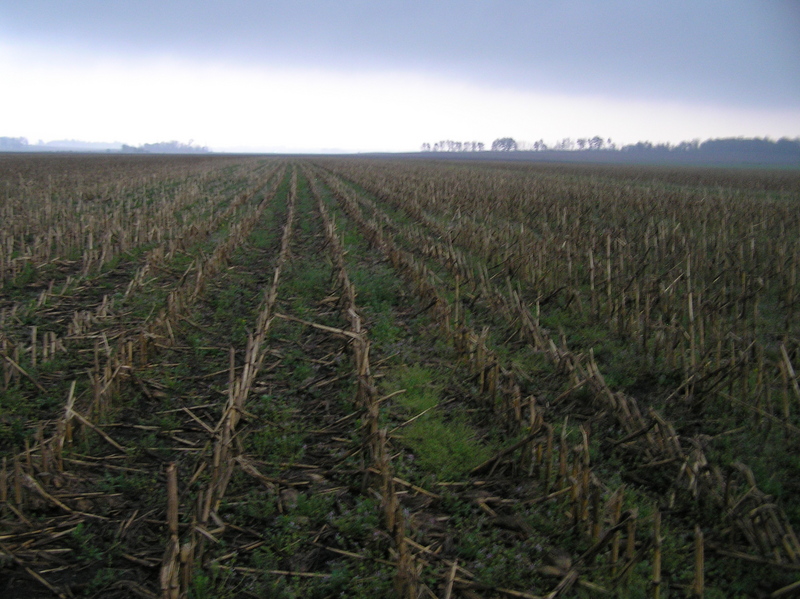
[239,376]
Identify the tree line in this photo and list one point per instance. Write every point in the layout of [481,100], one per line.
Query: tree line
[21,144]
[164,147]
[509,144]
[448,145]
[783,146]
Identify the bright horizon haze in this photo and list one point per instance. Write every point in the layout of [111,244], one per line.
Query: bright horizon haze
[352,75]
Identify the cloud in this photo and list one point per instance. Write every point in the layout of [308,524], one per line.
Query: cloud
[63,95]
[734,52]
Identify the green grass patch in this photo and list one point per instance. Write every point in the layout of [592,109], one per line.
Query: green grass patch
[447,448]
[421,393]
[377,287]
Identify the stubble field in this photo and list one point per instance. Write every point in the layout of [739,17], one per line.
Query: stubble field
[233,376]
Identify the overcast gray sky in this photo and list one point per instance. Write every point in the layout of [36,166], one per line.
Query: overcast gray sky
[389,75]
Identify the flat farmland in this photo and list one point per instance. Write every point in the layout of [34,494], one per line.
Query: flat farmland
[249,376]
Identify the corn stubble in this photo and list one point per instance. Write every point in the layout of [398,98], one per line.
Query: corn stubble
[596,272]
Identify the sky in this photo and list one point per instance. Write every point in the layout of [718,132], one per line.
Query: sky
[388,75]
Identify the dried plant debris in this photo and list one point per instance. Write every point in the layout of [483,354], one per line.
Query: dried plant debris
[247,377]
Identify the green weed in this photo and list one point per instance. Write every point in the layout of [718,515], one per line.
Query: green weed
[421,393]
[448,449]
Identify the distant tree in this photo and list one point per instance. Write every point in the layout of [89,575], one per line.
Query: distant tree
[639,147]
[504,144]
[582,143]
[752,146]
[13,143]
[166,147]
[688,146]
[596,143]
[788,146]
[448,145]
[565,144]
